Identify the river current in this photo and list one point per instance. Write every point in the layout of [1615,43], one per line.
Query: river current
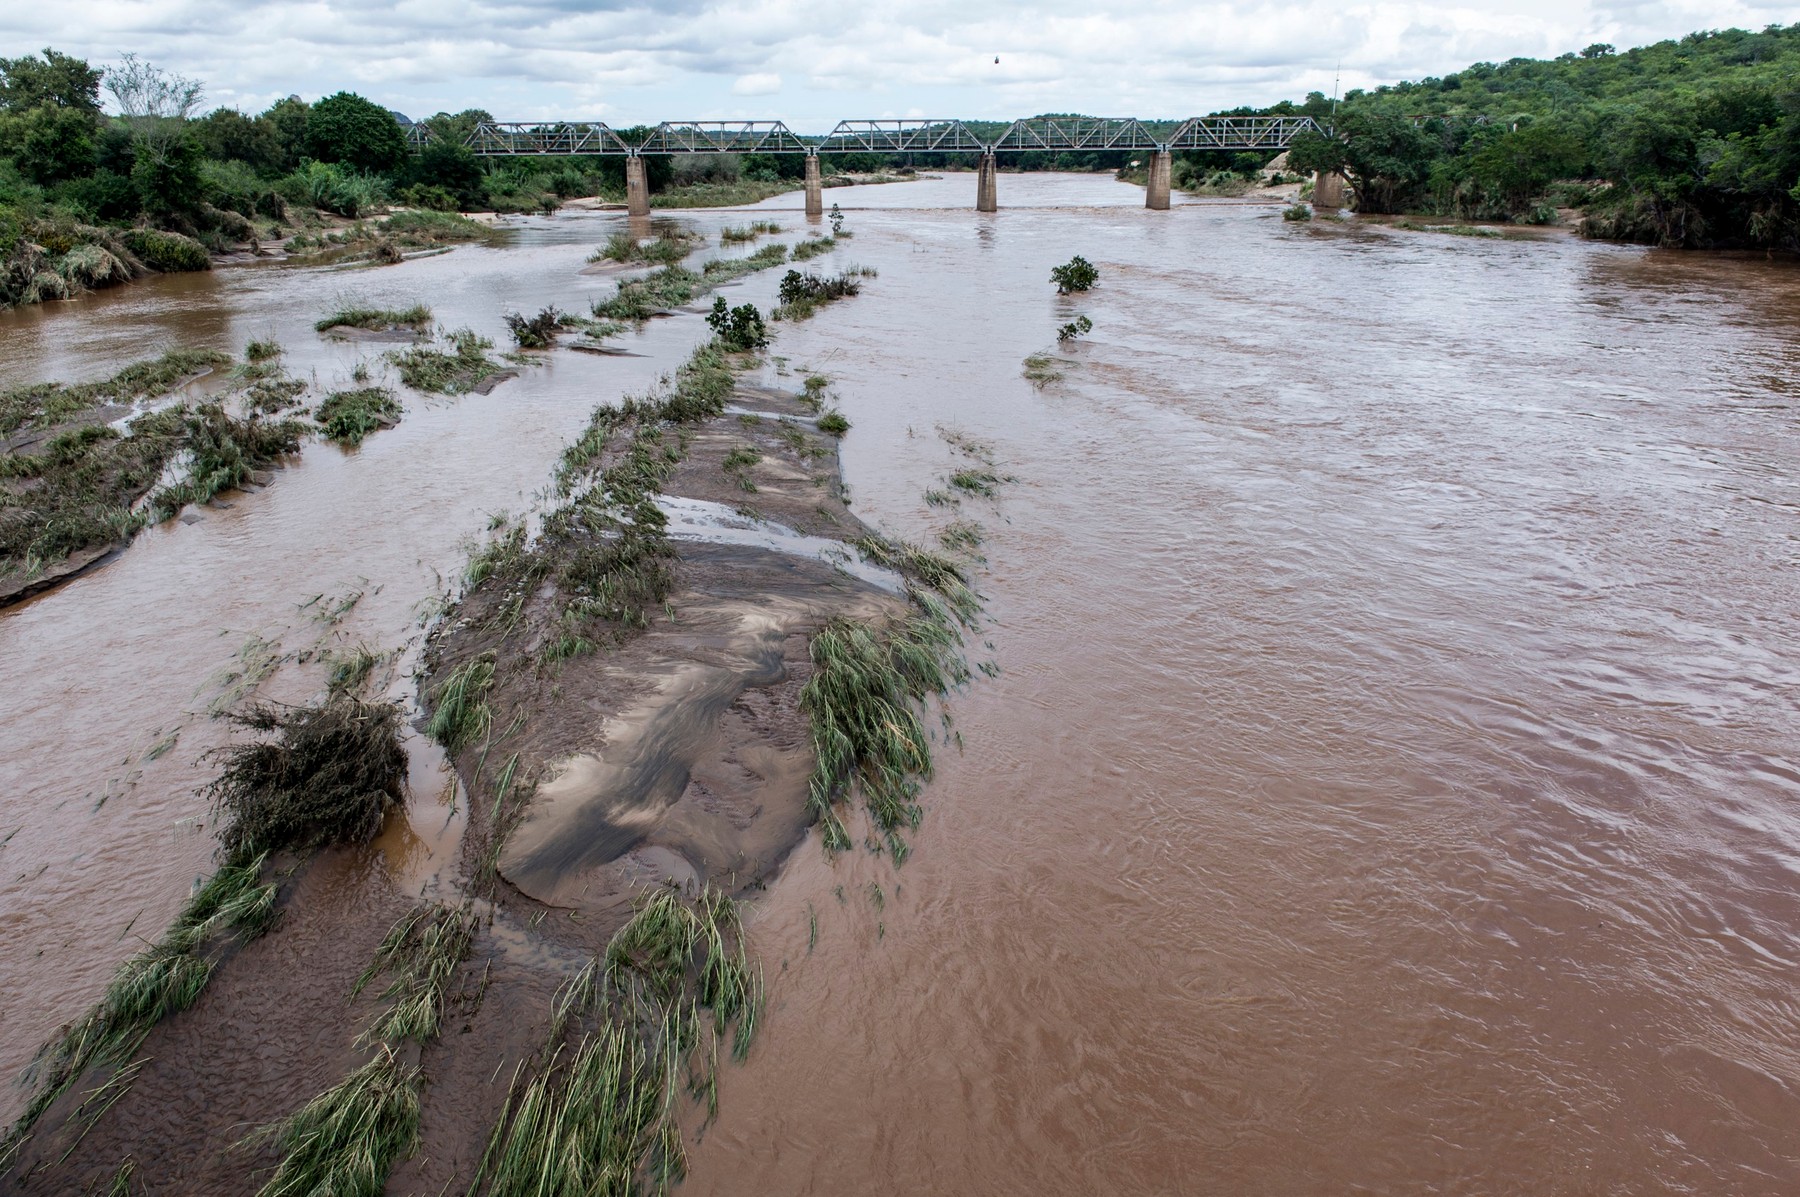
[1388,784]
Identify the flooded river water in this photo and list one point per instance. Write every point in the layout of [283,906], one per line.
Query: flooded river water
[1389,785]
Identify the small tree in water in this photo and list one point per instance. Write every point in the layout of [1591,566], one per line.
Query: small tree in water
[740,328]
[1077,274]
[837,221]
[1080,326]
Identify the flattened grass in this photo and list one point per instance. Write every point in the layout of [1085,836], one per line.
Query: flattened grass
[455,367]
[599,1112]
[163,979]
[344,1142]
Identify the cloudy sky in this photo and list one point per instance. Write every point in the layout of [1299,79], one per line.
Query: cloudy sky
[811,62]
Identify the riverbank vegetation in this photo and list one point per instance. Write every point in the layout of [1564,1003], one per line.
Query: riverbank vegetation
[1693,142]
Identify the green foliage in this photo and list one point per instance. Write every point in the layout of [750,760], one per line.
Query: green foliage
[740,329]
[803,294]
[459,708]
[456,368]
[535,332]
[170,253]
[61,80]
[166,174]
[345,128]
[352,316]
[1698,138]
[227,135]
[222,452]
[1296,212]
[328,776]
[348,416]
[834,423]
[49,143]
[1078,327]
[47,404]
[334,188]
[1077,274]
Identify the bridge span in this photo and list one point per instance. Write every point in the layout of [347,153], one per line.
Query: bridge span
[986,140]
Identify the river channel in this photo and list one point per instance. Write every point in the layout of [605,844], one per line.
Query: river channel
[1389,782]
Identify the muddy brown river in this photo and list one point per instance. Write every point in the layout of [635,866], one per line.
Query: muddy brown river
[1389,784]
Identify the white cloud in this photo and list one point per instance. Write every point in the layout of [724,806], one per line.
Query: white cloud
[631,60]
[756,85]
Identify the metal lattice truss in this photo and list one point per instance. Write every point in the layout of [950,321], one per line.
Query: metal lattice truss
[1241,132]
[509,138]
[555,137]
[724,137]
[902,137]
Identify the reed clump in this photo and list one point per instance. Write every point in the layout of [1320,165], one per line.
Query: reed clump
[460,714]
[344,1141]
[327,776]
[738,234]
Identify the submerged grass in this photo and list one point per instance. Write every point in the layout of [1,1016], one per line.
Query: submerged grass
[344,1142]
[630,1032]
[737,234]
[234,905]
[347,1139]
[376,319]
[455,367]
[460,713]
[349,416]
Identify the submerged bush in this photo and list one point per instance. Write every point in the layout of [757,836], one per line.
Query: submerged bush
[328,776]
[1296,212]
[1078,327]
[535,332]
[740,328]
[455,372]
[1077,274]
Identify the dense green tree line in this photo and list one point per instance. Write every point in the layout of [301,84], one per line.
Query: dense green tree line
[1694,142]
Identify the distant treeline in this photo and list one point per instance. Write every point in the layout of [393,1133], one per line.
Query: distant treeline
[1690,143]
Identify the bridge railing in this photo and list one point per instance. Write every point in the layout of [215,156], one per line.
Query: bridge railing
[1241,132]
[909,136]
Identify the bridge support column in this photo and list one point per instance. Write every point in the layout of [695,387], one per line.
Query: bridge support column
[637,187]
[815,189]
[987,184]
[1328,190]
[1156,187]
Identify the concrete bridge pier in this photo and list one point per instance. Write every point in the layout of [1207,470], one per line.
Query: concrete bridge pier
[637,187]
[815,189]
[1156,187]
[1328,190]
[987,184]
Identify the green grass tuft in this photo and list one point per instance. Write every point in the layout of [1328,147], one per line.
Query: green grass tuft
[344,1142]
[349,416]
[376,319]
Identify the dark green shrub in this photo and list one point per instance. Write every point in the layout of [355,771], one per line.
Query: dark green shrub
[740,328]
[348,416]
[535,332]
[1078,327]
[1077,274]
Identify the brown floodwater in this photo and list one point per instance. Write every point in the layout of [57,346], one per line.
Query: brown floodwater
[1389,781]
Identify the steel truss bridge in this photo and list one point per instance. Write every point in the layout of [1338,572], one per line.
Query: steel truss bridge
[517,138]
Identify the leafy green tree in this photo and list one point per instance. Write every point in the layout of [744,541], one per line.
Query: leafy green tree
[60,80]
[286,121]
[229,136]
[49,143]
[453,167]
[1517,165]
[168,180]
[349,129]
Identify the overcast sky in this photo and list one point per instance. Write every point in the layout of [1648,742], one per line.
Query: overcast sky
[812,62]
